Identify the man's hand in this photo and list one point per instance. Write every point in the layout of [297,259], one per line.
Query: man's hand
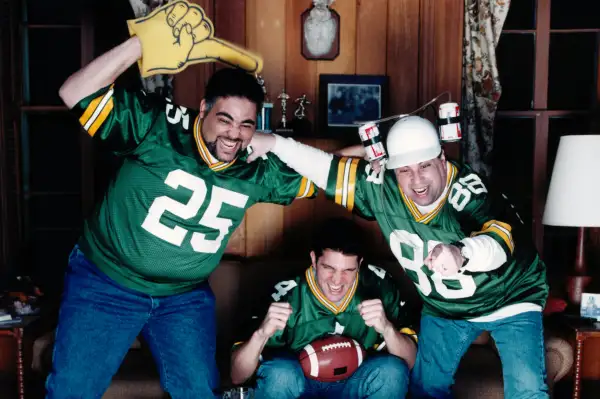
[276,319]
[178,34]
[260,145]
[373,314]
[445,259]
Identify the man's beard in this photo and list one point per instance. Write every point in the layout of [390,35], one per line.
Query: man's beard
[212,148]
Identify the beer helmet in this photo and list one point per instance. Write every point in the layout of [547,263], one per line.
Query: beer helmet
[412,140]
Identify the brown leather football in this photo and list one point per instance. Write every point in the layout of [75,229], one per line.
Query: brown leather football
[332,358]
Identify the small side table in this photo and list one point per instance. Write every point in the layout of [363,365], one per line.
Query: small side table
[16,330]
[582,331]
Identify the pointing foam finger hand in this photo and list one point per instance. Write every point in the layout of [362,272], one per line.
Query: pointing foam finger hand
[192,17]
[176,13]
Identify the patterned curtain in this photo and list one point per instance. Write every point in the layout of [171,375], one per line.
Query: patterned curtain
[161,84]
[481,82]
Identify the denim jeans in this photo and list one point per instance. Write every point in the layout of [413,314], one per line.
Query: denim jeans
[99,320]
[379,377]
[443,342]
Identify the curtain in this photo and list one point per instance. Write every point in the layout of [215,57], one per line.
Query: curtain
[481,82]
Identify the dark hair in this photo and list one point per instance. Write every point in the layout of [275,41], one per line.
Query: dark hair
[233,82]
[340,235]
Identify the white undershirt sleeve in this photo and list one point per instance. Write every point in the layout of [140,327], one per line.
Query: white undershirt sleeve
[308,161]
[484,253]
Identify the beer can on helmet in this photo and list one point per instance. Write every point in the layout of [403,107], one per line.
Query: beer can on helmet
[449,122]
[371,140]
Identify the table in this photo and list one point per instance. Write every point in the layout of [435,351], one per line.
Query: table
[16,331]
[583,331]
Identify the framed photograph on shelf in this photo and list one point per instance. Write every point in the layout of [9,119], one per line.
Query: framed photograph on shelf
[346,101]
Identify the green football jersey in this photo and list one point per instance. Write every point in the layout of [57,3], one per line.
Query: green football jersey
[165,219]
[314,316]
[467,210]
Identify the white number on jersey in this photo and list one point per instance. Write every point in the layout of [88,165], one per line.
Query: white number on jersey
[460,196]
[416,264]
[282,288]
[180,112]
[379,272]
[176,235]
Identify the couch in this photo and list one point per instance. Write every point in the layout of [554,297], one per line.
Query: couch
[238,283]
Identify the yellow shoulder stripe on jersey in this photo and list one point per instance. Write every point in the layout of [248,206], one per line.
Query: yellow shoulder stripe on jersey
[213,163]
[410,332]
[345,184]
[96,112]
[307,188]
[406,331]
[428,217]
[503,230]
[314,288]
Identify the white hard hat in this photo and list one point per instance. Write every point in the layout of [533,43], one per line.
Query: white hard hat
[412,140]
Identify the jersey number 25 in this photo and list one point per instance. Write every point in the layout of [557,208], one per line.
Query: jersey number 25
[176,235]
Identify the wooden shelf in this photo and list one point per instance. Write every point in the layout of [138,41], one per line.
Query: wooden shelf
[47,26]
[583,30]
[44,108]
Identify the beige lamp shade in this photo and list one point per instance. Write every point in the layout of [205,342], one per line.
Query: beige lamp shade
[574,193]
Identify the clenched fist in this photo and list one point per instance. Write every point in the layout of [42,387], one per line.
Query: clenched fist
[445,259]
[179,34]
[373,314]
[275,320]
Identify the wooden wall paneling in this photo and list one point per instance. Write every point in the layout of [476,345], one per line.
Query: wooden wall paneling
[371,36]
[189,84]
[265,33]
[440,54]
[230,22]
[345,62]
[403,54]
[300,73]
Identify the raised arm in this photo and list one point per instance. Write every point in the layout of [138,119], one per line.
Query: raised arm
[245,359]
[101,72]
[310,162]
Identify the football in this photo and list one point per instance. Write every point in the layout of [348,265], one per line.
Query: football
[332,358]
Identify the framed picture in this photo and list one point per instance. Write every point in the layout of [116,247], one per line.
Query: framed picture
[346,101]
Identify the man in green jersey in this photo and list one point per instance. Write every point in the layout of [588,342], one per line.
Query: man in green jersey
[143,260]
[464,248]
[337,294]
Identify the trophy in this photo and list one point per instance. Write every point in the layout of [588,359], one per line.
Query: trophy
[283,127]
[300,124]
[263,120]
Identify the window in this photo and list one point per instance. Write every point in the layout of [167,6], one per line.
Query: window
[548,63]
[54,43]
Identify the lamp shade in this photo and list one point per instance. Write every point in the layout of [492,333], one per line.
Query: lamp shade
[574,194]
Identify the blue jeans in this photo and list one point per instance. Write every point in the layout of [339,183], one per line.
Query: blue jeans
[379,377]
[99,320]
[443,342]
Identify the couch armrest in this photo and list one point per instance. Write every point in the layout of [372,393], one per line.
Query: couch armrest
[40,346]
[559,358]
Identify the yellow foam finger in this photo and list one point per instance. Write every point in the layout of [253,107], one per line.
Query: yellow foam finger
[193,17]
[225,52]
[176,13]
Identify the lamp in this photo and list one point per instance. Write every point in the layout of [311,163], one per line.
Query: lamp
[574,199]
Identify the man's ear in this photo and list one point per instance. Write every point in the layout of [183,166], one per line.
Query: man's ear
[202,109]
[313,258]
